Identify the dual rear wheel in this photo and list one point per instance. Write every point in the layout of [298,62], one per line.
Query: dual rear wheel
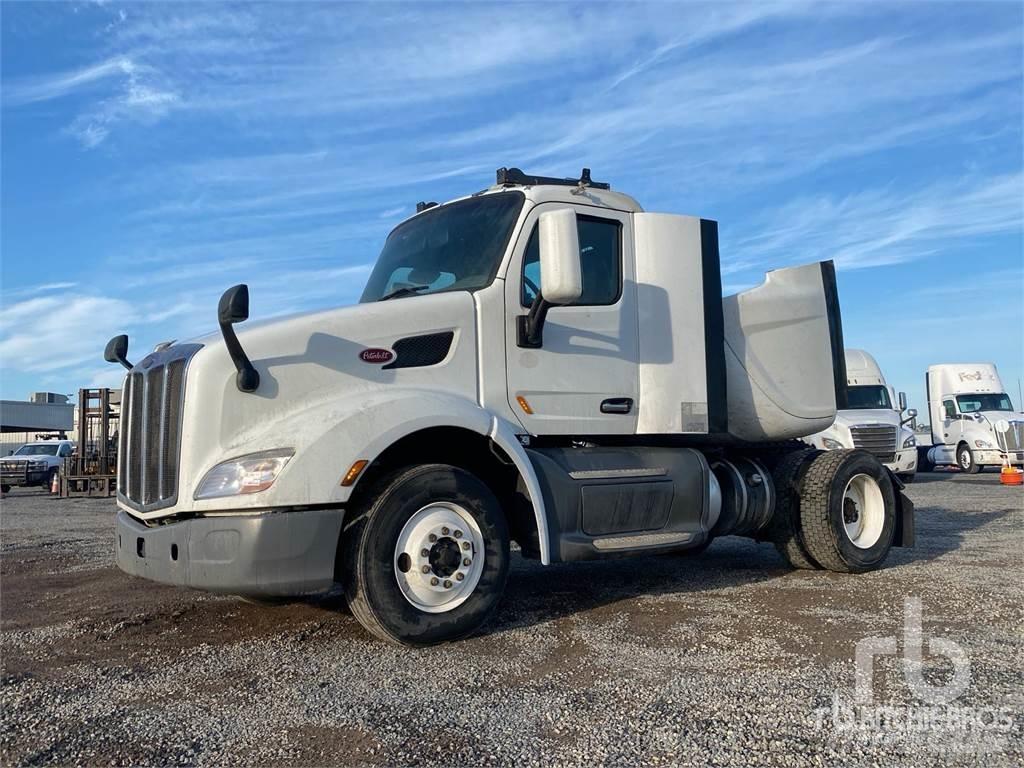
[837,510]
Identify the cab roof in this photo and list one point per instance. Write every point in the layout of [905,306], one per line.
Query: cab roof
[547,189]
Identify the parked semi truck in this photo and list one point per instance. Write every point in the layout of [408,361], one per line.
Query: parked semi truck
[542,362]
[872,419]
[973,423]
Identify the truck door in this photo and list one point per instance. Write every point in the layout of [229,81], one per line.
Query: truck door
[952,428]
[583,380]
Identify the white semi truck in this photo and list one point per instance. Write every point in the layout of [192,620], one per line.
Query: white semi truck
[540,362]
[872,419]
[973,423]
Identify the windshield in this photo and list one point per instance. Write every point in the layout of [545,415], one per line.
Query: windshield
[988,402]
[37,450]
[456,247]
[865,396]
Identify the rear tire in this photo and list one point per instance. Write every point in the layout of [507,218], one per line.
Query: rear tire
[847,511]
[965,460]
[5,488]
[407,597]
[785,526]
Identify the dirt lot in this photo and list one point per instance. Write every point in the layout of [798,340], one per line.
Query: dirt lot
[725,658]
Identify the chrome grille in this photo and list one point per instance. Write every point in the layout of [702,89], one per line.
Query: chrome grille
[1013,438]
[879,439]
[153,401]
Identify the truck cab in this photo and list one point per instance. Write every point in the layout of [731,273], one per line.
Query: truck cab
[541,362]
[34,464]
[973,421]
[872,419]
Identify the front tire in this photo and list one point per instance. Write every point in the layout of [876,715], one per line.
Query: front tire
[5,488]
[847,511]
[426,557]
[965,460]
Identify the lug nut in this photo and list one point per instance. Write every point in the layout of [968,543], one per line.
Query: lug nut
[460,576]
[432,537]
[425,569]
[425,552]
[458,534]
[433,582]
[465,545]
[444,531]
[447,584]
[466,561]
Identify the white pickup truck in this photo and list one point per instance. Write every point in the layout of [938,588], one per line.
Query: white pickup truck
[34,464]
[540,362]
[871,419]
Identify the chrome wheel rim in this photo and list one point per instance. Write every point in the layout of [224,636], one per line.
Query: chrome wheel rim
[439,557]
[965,459]
[863,511]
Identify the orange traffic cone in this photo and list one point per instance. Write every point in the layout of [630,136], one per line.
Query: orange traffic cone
[1011,476]
[55,485]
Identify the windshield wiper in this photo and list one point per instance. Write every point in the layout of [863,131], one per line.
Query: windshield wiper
[406,290]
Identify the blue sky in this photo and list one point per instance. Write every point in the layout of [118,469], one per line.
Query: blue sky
[154,154]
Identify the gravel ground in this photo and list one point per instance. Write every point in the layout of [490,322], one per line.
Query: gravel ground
[725,658]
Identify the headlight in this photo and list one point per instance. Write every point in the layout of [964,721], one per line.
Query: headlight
[246,474]
[35,466]
[982,444]
[910,442]
[831,445]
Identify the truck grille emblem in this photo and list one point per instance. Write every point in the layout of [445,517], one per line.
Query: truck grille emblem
[376,355]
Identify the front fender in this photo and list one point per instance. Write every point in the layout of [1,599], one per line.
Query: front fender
[330,437]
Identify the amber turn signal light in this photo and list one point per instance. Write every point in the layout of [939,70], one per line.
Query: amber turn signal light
[353,473]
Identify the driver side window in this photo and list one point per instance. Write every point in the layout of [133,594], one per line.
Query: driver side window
[950,409]
[600,257]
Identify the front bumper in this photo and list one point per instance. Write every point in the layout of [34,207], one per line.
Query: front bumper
[905,462]
[22,478]
[989,457]
[270,553]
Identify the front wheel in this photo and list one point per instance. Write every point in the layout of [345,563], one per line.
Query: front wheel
[5,488]
[426,558]
[965,460]
[847,511]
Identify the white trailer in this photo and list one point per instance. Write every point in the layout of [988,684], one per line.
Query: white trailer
[973,423]
[872,419]
[540,362]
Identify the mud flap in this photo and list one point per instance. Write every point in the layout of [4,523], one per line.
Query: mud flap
[904,536]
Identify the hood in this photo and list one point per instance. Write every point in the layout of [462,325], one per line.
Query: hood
[328,362]
[852,418]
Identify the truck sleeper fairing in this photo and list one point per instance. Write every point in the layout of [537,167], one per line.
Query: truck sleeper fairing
[785,370]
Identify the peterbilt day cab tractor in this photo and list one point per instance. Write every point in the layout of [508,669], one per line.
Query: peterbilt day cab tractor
[540,362]
[973,423]
[872,419]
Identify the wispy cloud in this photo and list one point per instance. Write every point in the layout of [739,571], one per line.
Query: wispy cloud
[54,86]
[877,227]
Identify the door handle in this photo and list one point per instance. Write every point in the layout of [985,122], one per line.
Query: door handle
[617,405]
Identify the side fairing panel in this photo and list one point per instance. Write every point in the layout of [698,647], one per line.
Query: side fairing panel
[670,304]
[781,364]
